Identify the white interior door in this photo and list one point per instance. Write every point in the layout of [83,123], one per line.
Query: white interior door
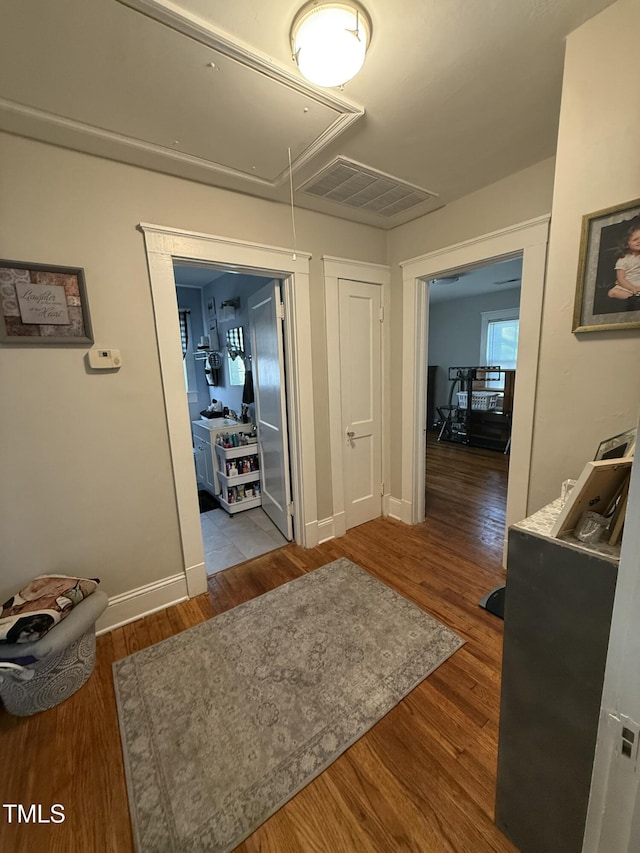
[360,364]
[265,319]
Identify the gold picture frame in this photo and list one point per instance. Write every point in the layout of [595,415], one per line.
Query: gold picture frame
[602,239]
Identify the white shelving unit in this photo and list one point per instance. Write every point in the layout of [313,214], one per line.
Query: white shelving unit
[233,497]
[205,433]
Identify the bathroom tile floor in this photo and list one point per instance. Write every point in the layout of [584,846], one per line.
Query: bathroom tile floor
[229,540]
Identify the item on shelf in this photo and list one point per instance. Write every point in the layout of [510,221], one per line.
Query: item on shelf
[481,401]
[567,485]
[482,416]
[591,527]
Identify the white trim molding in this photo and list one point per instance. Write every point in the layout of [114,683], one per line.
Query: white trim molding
[335,270]
[142,601]
[326,530]
[163,246]
[398,509]
[528,239]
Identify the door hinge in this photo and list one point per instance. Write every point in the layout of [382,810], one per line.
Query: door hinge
[290,508]
[280,311]
[382,313]
[382,488]
[629,738]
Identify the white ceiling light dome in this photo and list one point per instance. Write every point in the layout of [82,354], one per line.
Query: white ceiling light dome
[330,40]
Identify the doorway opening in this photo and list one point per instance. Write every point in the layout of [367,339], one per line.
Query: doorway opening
[528,240]
[219,365]
[166,246]
[472,348]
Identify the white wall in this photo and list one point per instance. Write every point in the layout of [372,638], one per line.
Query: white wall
[85,474]
[518,198]
[589,385]
[599,372]
[455,330]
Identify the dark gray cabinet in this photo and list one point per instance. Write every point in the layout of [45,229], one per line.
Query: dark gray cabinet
[558,604]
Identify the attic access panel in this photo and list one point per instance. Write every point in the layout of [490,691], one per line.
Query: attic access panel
[104,70]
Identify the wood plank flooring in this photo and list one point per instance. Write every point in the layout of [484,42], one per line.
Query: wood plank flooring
[423,779]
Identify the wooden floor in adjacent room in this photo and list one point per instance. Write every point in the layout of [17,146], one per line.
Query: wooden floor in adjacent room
[423,779]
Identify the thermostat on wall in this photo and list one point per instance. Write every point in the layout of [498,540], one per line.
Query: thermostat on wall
[104,359]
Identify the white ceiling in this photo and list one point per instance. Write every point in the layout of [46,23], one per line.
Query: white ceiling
[504,275]
[454,95]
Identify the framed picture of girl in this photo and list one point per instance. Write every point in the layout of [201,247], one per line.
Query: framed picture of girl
[608,288]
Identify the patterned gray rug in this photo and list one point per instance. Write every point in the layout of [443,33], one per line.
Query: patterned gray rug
[225,722]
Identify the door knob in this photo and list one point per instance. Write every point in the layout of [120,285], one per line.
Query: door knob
[350,433]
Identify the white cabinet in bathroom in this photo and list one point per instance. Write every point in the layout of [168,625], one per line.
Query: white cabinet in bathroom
[204,458]
[199,459]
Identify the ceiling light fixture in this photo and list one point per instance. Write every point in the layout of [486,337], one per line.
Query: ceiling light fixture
[329,41]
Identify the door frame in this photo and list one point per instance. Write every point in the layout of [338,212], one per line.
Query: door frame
[335,269]
[164,245]
[529,239]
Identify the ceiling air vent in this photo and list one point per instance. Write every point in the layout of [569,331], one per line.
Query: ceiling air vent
[358,186]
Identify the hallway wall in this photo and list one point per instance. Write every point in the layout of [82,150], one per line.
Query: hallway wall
[589,384]
[86,475]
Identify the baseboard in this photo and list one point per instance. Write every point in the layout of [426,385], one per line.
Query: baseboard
[142,601]
[326,530]
[311,536]
[196,580]
[397,508]
[339,524]
[317,532]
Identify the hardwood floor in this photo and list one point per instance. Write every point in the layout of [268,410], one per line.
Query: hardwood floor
[423,779]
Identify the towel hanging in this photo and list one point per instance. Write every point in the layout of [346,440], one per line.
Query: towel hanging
[247,391]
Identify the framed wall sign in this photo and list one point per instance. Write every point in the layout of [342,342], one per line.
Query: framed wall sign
[42,305]
[608,287]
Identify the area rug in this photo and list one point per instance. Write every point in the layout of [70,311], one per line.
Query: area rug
[225,722]
[206,501]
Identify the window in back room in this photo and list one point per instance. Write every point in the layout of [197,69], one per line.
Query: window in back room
[499,342]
